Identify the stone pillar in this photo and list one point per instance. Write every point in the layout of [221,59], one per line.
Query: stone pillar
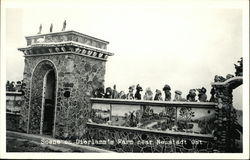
[225,114]
[224,99]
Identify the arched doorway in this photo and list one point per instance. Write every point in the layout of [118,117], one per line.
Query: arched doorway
[42,110]
[48,107]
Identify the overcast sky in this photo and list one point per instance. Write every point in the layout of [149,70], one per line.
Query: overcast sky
[155,42]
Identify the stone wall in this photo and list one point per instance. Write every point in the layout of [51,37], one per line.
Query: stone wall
[227,129]
[77,74]
[120,139]
[126,126]
[12,122]
[37,93]
[213,124]
[172,117]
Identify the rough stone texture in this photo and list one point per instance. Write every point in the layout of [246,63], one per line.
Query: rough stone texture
[74,74]
[36,99]
[12,121]
[225,115]
[139,141]
[172,127]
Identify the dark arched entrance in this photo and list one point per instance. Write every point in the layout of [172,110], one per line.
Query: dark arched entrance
[48,107]
[43,99]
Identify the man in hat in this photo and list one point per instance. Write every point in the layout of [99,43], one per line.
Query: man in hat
[137,93]
[158,95]
[191,95]
[202,94]
[108,93]
[98,93]
[130,94]
[114,92]
[177,96]
[167,92]
[148,94]
[122,95]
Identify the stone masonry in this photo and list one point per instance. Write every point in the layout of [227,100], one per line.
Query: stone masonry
[78,63]
[225,114]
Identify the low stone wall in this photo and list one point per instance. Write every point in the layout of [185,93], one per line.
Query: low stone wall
[12,122]
[128,139]
[151,126]
[189,117]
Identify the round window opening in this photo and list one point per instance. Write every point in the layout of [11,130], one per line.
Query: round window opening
[67,94]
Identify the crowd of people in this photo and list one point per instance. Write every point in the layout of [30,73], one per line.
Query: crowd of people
[14,86]
[10,86]
[158,96]
[134,93]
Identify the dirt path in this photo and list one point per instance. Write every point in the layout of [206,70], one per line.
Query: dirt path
[22,142]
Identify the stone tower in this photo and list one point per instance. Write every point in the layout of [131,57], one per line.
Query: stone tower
[61,71]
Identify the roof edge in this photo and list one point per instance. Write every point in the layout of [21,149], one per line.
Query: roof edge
[69,31]
[67,43]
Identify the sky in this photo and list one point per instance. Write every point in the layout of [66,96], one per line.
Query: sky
[154,42]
